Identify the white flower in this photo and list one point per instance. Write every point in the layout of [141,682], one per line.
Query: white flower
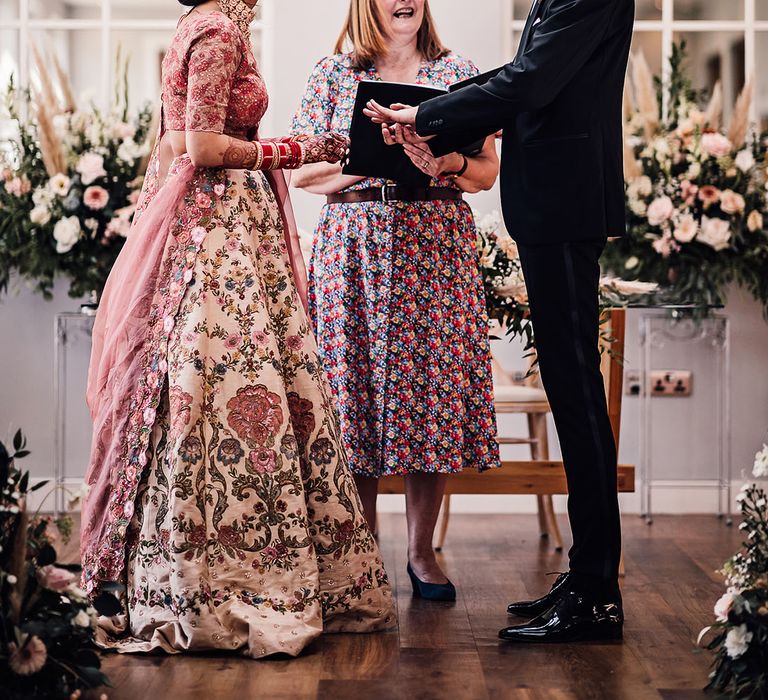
[686,229]
[737,641]
[632,263]
[745,161]
[11,579]
[760,470]
[122,131]
[644,185]
[91,167]
[59,184]
[715,233]
[694,170]
[67,233]
[129,151]
[661,146]
[723,606]
[40,215]
[660,210]
[638,207]
[507,246]
[42,197]
[82,619]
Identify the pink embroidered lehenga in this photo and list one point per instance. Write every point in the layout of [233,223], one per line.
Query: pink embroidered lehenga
[219,490]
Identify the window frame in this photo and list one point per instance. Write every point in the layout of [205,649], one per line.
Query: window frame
[667,26]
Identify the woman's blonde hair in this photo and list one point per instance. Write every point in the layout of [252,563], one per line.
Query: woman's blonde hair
[366,30]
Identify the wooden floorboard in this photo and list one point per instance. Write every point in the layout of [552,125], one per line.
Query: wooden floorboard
[452,651]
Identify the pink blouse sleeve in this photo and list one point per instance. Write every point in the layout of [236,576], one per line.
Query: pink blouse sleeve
[214,57]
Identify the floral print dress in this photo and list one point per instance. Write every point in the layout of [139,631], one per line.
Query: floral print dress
[245,532]
[397,302]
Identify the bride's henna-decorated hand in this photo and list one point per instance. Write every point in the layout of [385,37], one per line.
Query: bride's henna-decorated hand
[329,147]
[240,155]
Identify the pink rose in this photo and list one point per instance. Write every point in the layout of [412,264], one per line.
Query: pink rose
[18,186]
[55,579]
[686,229]
[219,189]
[95,198]
[91,167]
[294,342]
[732,202]
[665,245]
[716,145]
[263,460]
[233,341]
[149,416]
[203,200]
[660,210]
[259,338]
[128,510]
[232,244]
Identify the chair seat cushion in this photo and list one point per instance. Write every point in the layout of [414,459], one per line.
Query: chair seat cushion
[515,393]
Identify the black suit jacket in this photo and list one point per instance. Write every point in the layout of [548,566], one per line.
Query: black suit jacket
[560,106]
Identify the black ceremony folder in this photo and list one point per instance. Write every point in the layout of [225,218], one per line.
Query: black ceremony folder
[369,156]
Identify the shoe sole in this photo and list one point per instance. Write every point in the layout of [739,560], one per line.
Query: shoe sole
[606,636]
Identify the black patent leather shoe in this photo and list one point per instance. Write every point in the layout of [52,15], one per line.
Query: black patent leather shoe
[574,618]
[431,591]
[534,608]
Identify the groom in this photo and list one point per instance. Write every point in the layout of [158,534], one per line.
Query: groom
[559,104]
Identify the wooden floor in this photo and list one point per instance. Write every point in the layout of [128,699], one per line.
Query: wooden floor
[452,651]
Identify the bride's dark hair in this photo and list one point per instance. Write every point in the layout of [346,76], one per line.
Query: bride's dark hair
[192,3]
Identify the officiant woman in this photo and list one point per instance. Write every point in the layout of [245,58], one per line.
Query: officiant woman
[395,292]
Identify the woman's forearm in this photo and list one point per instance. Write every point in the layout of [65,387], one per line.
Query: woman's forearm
[323,178]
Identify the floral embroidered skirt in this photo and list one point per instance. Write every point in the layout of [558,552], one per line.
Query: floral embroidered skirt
[247,533]
[397,300]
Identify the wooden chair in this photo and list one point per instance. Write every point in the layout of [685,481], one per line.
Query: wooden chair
[542,477]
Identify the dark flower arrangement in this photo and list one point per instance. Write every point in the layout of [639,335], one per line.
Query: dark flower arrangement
[739,637]
[47,623]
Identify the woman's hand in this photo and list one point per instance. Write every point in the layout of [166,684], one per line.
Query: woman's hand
[421,156]
[329,147]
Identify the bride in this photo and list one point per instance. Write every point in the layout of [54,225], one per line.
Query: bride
[220,494]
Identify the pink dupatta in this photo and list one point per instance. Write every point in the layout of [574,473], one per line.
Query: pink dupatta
[128,360]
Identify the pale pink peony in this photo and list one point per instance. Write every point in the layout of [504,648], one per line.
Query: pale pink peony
[95,198]
[732,202]
[686,229]
[55,579]
[660,210]
[18,186]
[91,167]
[28,659]
[716,145]
[665,245]
[715,233]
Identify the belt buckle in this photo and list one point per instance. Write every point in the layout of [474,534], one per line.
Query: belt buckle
[384,197]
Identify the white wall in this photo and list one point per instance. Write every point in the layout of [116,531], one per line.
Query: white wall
[298,33]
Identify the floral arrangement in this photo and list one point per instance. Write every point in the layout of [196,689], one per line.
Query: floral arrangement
[695,191]
[47,623]
[69,184]
[506,296]
[739,638]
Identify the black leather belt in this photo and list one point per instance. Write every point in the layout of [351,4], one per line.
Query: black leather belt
[396,193]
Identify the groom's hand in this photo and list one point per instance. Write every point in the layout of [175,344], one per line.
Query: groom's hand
[397,123]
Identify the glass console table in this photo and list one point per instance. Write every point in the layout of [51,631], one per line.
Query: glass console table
[72,350]
[676,332]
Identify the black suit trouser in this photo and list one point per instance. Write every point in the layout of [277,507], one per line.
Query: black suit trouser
[563,281]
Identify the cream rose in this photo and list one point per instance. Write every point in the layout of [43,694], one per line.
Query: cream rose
[755,221]
[686,229]
[60,184]
[40,215]
[67,233]
[715,233]
[745,161]
[732,202]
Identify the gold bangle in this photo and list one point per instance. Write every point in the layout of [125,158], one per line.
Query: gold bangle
[259,156]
